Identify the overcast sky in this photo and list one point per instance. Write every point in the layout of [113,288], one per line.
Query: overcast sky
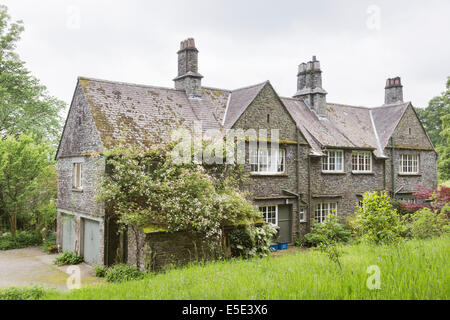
[359,43]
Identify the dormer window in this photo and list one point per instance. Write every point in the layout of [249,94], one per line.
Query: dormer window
[362,162]
[333,161]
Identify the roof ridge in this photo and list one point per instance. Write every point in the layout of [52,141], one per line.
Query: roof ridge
[393,105]
[347,105]
[127,83]
[215,88]
[252,86]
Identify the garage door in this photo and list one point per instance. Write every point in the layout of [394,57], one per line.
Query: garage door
[68,233]
[285,223]
[91,241]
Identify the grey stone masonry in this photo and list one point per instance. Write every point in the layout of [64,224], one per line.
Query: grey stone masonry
[188,78]
[394,91]
[381,148]
[309,86]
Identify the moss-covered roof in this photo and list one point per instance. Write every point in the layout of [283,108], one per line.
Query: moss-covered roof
[142,115]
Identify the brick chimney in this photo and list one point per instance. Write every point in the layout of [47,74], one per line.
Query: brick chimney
[309,87]
[394,91]
[188,78]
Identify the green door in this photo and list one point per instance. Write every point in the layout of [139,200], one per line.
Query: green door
[68,233]
[285,223]
[91,242]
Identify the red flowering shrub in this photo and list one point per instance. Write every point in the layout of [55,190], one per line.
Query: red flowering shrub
[429,198]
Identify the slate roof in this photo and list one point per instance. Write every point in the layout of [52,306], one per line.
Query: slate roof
[240,99]
[144,114]
[387,119]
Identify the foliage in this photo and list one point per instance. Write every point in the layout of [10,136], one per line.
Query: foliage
[425,197]
[428,224]
[68,259]
[13,293]
[100,271]
[436,120]
[328,237]
[444,150]
[49,246]
[431,116]
[23,239]
[376,221]
[411,270]
[24,165]
[25,104]
[399,205]
[122,273]
[251,241]
[329,231]
[146,187]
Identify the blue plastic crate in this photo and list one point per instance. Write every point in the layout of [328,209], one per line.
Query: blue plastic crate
[283,246]
[274,248]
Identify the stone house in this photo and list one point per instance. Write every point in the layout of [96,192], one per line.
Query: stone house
[330,154]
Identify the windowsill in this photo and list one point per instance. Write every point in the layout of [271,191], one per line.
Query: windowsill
[410,174]
[77,190]
[334,172]
[363,173]
[267,174]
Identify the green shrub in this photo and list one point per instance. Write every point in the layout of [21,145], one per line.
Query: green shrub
[376,221]
[49,245]
[34,293]
[427,224]
[328,231]
[252,240]
[100,271]
[122,273]
[23,239]
[68,259]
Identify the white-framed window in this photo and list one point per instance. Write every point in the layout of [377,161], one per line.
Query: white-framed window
[302,215]
[362,161]
[270,214]
[333,161]
[77,176]
[409,163]
[268,161]
[323,210]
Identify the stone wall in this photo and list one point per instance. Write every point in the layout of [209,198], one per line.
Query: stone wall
[80,143]
[164,249]
[344,188]
[80,134]
[267,190]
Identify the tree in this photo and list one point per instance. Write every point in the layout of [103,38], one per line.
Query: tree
[24,164]
[431,116]
[25,105]
[444,149]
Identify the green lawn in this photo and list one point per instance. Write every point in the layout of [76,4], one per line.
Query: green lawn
[413,270]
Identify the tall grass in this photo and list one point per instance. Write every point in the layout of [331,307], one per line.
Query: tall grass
[412,270]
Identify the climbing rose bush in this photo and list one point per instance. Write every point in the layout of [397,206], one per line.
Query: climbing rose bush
[145,187]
